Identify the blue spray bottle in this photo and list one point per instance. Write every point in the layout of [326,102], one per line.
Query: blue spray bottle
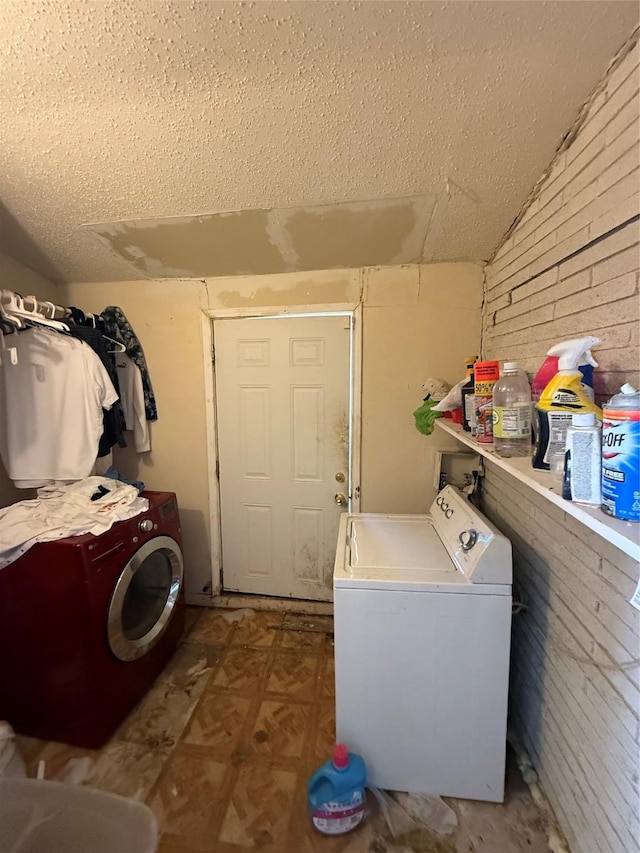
[336,793]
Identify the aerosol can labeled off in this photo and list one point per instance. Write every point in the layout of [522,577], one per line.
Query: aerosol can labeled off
[621,455]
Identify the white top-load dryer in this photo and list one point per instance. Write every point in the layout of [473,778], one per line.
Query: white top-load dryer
[422,610]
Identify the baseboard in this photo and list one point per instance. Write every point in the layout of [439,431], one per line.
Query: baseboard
[235,601]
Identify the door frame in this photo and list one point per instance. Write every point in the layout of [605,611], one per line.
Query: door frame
[207,318]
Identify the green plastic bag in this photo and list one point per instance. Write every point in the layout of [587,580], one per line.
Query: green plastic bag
[425,417]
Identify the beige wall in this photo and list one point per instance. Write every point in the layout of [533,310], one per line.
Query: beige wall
[15,276]
[419,321]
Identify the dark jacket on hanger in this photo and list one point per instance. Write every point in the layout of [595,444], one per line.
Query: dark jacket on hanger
[117,327]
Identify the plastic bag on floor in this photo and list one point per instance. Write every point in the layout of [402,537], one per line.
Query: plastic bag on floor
[239,615]
[11,763]
[77,770]
[407,812]
[396,818]
[431,812]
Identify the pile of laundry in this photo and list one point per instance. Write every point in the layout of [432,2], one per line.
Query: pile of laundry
[91,505]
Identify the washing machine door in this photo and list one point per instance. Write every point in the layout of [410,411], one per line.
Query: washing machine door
[144,598]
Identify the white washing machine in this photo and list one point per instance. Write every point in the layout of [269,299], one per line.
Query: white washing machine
[422,609]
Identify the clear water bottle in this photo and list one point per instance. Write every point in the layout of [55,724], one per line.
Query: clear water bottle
[512,412]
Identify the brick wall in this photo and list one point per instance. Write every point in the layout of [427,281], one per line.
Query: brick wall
[569,267]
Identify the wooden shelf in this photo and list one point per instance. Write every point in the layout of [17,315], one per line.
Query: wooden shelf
[624,535]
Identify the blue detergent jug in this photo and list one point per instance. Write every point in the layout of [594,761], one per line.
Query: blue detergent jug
[336,792]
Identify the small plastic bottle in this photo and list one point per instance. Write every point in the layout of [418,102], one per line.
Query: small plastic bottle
[512,412]
[582,460]
[336,793]
[467,394]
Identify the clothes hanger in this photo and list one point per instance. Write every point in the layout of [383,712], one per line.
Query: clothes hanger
[17,308]
[118,346]
[14,323]
[6,299]
[49,306]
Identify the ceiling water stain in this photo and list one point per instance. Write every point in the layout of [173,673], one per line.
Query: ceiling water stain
[213,245]
[347,235]
[344,237]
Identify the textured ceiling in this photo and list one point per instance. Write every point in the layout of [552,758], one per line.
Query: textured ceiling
[329,134]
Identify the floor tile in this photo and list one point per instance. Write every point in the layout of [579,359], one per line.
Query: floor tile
[300,622]
[312,641]
[324,731]
[160,718]
[212,628]
[328,690]
[218,722]
[171,845]
[128,769]
[185,796]
[280,729]
[241,670]
[259,810]
[293,674]
[258,631]
[191,667]
[191,618]
[56,757]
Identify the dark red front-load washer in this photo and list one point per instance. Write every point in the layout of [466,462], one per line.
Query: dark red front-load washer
[88,623]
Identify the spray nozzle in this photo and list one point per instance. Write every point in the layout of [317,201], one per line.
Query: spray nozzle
[575,352]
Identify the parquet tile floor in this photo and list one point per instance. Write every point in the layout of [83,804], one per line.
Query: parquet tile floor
[222,746]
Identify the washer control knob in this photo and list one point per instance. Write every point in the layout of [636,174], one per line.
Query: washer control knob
[468,539]
[146,525]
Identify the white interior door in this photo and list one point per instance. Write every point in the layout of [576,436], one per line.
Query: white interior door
[282,401]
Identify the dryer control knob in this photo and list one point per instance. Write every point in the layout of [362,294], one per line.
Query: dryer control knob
[146,525]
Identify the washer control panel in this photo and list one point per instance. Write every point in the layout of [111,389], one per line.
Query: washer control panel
[481,552]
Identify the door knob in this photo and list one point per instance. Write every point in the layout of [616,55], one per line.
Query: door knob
[340,499]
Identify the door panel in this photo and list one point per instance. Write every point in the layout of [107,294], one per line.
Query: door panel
[282,399]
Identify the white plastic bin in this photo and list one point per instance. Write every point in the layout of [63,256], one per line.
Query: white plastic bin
[52,817]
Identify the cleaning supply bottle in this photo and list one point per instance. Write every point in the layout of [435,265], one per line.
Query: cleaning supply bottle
[621,455]
[583,460]
[512,412]
[549,368]
[486,374]
[562,397]
[336,793]
[467,393]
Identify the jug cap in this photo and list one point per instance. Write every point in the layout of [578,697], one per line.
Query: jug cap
[340,756]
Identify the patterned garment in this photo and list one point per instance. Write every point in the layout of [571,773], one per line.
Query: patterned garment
[117,327]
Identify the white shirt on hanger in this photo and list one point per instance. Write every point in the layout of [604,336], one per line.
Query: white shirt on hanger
[132,400]
[51,405]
